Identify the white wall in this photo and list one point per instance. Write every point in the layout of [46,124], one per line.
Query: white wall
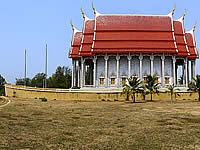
[146,70]
[157,65]
[135,66]
[100,68]
[123,63]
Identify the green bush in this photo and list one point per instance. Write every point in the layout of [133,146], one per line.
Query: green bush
[2,83]
[2,91]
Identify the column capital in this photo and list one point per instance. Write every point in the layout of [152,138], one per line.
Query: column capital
[185,60]
[163,57]
[106,57]
[174,59]
[152,57]
[129,57]
[82,60]
[118,57]
[94,59]
[140,57]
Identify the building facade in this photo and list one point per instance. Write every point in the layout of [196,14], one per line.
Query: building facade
[112,48]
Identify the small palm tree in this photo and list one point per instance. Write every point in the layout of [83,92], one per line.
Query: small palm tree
[127,91]
[172,89]
[195,85]
[143,90]
[152,85]
[134,86]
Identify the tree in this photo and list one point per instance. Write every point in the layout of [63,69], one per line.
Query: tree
[135,85]
[152,85]
[68,76]
[61,78]
[127,91]
[22,81]
[2,83]
[195,85]
[38,80]
[171,90]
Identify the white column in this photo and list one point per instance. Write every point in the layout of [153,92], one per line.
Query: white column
[75,78]
[95,70]
[82,72]
[106,70]
[129,66]
[78,68]
[118,78]
[192,71]
[152,58]
[174,69]
[163,70]
[186,72]
[72,73]
[194,67]
[141,58]
[183,71]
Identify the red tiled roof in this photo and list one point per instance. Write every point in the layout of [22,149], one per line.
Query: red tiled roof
[75,45]
[87,39]
[136,33]
[148,44]
[191,46]
[180,39]
[135,51]
[133,23]
[133,34]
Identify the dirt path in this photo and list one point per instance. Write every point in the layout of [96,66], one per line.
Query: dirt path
[6,99]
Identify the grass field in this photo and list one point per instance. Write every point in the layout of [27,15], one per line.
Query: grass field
[33,124]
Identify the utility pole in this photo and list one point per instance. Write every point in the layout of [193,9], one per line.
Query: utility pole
[45,82]
[25,67]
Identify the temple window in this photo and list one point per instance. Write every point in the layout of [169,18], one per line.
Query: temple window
[112,81]
[123,81]
[101,81]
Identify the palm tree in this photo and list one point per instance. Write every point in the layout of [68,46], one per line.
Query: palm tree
[127,91]
[171,90]
[135,85]
[152,85]
[195,85]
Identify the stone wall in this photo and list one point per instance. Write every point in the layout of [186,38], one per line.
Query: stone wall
[86,95]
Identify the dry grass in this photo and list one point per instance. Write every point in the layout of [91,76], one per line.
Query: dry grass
[33,124]
[2,101]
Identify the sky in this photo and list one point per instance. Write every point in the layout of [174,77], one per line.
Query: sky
[26,24]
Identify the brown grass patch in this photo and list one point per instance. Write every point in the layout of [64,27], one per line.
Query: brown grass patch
[33,124]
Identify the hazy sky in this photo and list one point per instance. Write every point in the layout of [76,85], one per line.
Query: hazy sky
[26,24]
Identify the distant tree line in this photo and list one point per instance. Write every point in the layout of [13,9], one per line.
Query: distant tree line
[2,83]
[60,79]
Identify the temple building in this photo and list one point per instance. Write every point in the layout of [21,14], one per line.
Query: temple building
[112,48]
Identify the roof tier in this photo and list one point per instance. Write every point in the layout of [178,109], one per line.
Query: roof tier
[191,46]
[87,39]
[134,34]
[180,39]
[75,45]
